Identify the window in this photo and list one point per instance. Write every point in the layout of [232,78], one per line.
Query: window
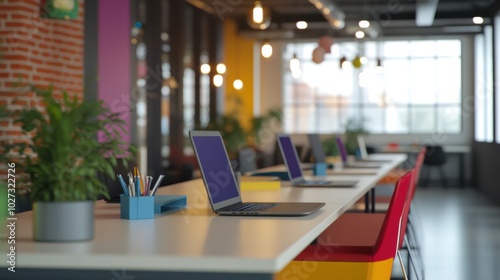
[415,89]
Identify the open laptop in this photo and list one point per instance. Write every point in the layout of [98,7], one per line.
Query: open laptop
[294,170]
[343,155]
[317,147]
[364,152]
[221,186]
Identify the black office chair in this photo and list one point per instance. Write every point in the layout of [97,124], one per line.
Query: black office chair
[435,157]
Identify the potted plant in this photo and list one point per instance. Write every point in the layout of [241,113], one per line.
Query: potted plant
[353,128]
[233,132]
[71,142]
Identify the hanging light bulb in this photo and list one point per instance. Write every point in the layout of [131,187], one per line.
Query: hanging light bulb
[360,34]
[266,50]
[342,61]
[205,68]
[295,67]
[238,84]
[259,17]
[294,63]
[364,24]
[221,68]
[379,69]
[218,80]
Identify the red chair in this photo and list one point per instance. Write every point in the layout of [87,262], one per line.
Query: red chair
[390,179]
[357,259]
[345,230]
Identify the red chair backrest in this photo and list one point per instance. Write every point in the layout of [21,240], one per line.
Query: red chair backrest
[389,235]
[411,193]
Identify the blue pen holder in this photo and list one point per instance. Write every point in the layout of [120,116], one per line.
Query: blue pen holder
[319,169]
[137,207]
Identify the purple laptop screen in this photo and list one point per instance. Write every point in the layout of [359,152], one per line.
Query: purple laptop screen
[290,156]
[341,147]
[215,168]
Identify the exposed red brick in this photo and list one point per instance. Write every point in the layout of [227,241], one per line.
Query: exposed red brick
[10,57]
[48,71]
[21,24]
[36,61]
[22,76]
[21,67]
[15,84]
[14,133]
[20,102]
[16,8]
[19,16]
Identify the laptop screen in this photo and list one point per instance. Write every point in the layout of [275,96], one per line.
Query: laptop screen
[290,156]
[317,147]
[342,149]
[215,168]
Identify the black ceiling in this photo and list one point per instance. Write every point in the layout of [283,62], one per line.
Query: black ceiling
[390,17]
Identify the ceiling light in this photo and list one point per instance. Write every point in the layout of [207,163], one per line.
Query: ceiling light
[332,13]
[221,68]
[379,69]
[342,61]
[238,84]
[359,34]
[301,24]
[266,50]
[477,20]
[363,60]
[259,17]
[294,63]
[364,24]
[218,80]
[205,68]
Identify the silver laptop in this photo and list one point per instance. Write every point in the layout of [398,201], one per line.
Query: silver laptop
[317,147]
[294,170]
[364,152]
[343,155]
[221,186]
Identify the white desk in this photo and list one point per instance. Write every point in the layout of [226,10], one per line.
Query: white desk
[190,244]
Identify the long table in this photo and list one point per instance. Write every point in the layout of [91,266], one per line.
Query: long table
[189,244]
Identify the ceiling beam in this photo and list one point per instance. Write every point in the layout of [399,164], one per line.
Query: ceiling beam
[425,12]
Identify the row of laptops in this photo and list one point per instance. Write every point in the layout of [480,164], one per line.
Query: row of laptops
[363,162]
[222,188]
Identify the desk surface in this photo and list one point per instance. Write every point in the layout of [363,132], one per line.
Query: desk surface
[195,239]
[454,149]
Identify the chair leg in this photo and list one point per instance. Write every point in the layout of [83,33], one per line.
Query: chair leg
[412,239]
[402,265]
[426,177]
[418,270]
[443,177]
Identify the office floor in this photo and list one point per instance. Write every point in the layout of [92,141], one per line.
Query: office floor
[459,232]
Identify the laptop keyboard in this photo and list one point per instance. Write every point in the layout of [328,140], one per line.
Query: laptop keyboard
[254,207]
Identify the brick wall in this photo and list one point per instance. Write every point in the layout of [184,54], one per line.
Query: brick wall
[36,51]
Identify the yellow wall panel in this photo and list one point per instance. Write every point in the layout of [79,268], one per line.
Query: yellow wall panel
[238,57]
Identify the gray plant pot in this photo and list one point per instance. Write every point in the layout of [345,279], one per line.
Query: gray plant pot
[63,221]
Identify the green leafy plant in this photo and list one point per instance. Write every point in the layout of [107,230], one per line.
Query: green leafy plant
[71,143]
[235,135]
[330,146]
[353,128]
